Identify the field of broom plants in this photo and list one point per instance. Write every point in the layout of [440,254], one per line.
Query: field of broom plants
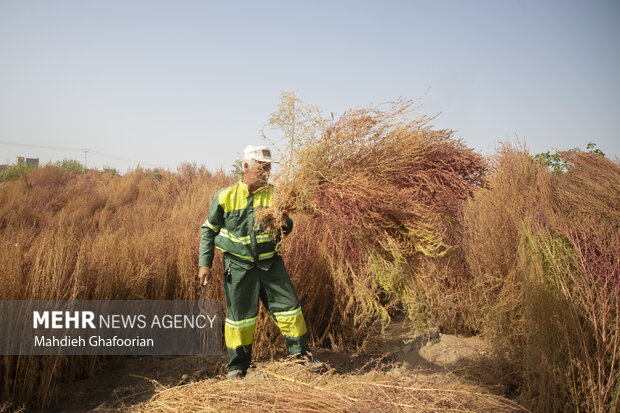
[95,236]
[399,218]
[543,261]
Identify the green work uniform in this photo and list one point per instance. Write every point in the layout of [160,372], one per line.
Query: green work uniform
[254,271]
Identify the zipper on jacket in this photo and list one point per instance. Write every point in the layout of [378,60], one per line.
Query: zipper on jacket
[253,245]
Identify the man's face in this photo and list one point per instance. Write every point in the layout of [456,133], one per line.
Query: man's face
[256,173]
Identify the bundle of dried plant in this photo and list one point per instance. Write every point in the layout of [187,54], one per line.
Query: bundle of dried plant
[386,187]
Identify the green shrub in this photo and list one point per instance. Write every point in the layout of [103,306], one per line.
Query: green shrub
[557,162]
[110,170]
[70,165]
[15,172]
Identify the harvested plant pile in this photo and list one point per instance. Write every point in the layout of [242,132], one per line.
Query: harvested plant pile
[281,387]
[386,176]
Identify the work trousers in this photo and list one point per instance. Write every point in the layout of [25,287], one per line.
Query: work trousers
[243,288]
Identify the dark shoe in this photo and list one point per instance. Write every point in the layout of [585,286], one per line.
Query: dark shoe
[314,366]
[235,374]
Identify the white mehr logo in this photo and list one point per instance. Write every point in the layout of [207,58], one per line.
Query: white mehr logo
[63,319]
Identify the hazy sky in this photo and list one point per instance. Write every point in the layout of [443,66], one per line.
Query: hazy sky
[165,82]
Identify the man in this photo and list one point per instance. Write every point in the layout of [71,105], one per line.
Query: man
[253,268]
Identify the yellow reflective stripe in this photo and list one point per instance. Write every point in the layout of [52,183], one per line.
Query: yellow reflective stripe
[289,313]
[209,225]
[291,323]
[236,255]
[241,240]
[251,259]
[239,333]
[266,255]
[264,238]
[242,322]
[239,336]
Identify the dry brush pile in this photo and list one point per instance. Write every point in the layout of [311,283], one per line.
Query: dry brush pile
[381,190]
[282,387]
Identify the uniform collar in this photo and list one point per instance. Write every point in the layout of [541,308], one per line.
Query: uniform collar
[246,189]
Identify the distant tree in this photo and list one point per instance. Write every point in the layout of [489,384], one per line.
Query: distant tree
[237,168]
[15,172]
[591,149]
[70,165]
[110,170]
[558,164]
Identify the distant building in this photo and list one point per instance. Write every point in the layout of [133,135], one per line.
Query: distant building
[32,162]
[20,160]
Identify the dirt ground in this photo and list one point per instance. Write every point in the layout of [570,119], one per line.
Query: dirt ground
[126,382]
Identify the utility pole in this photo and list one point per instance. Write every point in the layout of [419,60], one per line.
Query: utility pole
[85,151]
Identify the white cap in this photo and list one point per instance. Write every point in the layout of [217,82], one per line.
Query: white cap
[258,153]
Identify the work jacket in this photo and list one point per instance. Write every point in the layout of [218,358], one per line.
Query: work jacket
[230,228]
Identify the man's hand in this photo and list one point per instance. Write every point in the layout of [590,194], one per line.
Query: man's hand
[202,274]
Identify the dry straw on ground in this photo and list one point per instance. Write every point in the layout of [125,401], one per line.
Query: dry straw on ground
[285,387]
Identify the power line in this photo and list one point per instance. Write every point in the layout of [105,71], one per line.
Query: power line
[83,150]
[40,146]
[120,158]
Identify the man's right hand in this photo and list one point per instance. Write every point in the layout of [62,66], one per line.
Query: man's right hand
[202,274]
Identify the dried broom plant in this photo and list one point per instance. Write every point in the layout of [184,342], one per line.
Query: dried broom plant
[96,236]
[381,173]
[543,263]
[381,181]
[575,348]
